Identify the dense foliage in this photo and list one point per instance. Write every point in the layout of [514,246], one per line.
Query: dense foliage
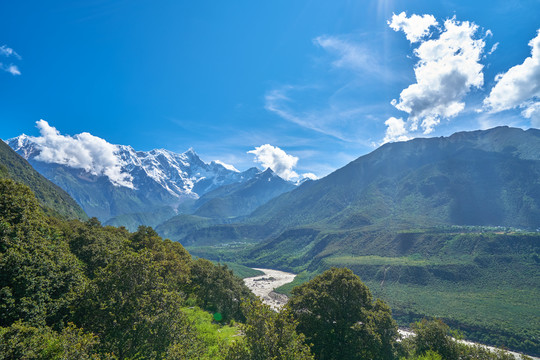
[69,286]
[269,335]
[336,313]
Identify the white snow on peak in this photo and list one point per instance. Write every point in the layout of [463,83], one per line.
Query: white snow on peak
[182,175]
[226,166]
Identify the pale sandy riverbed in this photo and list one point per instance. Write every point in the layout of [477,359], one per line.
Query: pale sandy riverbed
[263,286]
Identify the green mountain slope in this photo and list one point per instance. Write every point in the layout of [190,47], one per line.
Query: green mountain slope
[52,198]
[487,177]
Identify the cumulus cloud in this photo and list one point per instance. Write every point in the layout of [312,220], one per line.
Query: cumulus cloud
[447,69]
[8,52]
[415,27]
[276,159]
[532,111]
[519,87]
[395,130]
[82,151]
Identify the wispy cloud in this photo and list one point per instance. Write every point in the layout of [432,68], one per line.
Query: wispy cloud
[342,120]
[7,52]
[279,102]
[349,54]
[331,102]
[10,68]
[448,68]
[519,87]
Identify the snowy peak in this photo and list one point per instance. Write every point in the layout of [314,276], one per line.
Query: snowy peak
[181,175]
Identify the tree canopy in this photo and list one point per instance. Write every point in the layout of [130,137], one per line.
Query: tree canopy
[336,313]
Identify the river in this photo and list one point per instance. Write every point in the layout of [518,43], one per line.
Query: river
[264,285]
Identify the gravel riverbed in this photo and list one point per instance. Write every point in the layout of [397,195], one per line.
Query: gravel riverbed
[263,286]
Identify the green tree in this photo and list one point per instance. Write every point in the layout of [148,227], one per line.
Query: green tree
[23,341]
[218,290]
[39,276]
[336,313]
[173,261]
[434,336]
[268,335]
[95,245]
[131,309]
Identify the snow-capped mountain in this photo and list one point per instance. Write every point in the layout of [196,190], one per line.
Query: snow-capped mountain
[115,180]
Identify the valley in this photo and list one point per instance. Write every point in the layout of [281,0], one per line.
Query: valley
[438,227]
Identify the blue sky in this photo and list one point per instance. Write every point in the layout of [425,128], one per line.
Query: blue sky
[315,79]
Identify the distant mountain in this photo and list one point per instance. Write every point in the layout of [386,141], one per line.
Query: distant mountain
[161,184]
[53,199]
[242,198]
[213,210]
[489,177]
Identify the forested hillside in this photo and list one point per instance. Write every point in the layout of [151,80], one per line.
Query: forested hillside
[53,199]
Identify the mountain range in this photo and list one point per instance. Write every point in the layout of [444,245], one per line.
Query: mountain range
[479,178]
[160,184]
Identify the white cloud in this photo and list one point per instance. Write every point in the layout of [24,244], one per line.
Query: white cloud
[519,87]
[278,102]
[12,69]
[415,27]
[493,48]
[532,111]
[395,130]
[447,68]
[226,166]
[7,52]
[82,151]
[276,159]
